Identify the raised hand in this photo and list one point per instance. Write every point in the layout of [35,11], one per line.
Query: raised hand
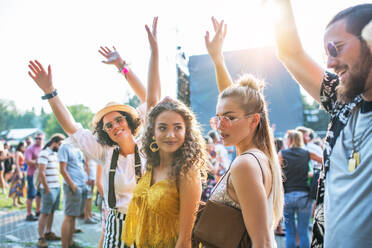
[42,78]
[153,79]
[152,35]
[214,46]
[112,57]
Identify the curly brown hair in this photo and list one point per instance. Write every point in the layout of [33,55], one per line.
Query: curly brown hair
[103,137]
[191,155]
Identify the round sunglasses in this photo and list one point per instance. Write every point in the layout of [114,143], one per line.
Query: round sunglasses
[333,48]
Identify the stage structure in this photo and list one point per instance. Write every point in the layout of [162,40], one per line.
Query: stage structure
[197,86]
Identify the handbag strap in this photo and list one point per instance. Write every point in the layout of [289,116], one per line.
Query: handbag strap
[111,191]
[228,170]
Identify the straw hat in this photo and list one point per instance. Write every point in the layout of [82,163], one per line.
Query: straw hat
[114,106]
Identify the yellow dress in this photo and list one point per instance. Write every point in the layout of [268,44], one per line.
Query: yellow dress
[152,218]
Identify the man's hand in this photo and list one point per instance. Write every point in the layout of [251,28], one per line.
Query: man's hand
[73,188]
[46,190]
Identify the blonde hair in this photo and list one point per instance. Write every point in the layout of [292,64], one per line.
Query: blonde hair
[249,94]
[295,138]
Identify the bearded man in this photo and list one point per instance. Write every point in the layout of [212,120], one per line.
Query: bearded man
[343,215]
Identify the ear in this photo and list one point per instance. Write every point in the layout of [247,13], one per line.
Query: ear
[255,120]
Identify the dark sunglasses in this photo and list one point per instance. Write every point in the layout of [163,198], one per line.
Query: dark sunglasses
[38,138]
[333,48]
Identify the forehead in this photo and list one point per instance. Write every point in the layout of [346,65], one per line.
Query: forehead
[336,32]
[39,136]
[228,104]
[169,117]
[110,116]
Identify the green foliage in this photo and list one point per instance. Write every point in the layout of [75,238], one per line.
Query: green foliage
[11,117]
[133,101]
[314,117]
[81,114]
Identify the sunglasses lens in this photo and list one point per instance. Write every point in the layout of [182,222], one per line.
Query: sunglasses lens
[107,127]
[332,50]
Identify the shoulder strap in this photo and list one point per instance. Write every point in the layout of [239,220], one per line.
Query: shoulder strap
[111,191]
[137,164]
[251,153]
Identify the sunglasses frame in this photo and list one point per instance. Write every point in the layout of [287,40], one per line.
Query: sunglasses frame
[118,120]
[335,47]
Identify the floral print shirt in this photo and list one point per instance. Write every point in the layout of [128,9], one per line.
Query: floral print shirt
[340,114]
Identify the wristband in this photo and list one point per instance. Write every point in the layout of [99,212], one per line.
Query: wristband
[124,69]
[50,95]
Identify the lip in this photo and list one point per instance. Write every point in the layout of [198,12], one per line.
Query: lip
[118,132]
[170,143]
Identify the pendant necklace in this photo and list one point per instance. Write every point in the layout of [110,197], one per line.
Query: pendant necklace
[354,159]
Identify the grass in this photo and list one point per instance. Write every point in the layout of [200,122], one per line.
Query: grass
[6,203]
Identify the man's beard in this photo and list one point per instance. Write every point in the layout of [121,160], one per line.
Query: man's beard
[355,84]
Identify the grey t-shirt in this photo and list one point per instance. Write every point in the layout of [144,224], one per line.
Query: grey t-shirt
[74,159]
[348,195]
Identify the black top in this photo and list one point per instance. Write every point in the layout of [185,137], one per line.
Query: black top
[295,168]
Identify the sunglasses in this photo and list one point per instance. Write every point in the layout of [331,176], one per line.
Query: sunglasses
[333,48]
[109,125]
[224,121]
[38,138]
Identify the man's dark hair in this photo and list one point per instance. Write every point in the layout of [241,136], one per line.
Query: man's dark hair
[54,139]
[356,18]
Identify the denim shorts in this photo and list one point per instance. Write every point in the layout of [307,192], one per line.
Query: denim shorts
[31,190]
[74,201]
[50,202]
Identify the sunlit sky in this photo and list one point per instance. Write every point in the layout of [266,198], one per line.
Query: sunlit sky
[67,34]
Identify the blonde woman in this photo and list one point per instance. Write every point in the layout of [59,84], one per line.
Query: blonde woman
[295,162]
[161,212]
[253,183]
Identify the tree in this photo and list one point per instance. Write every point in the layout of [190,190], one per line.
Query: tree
[81,114]
[314,117]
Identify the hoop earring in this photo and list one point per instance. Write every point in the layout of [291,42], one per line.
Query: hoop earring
[154,146]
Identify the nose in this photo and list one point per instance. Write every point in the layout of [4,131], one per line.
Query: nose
[170,133]
[332,62]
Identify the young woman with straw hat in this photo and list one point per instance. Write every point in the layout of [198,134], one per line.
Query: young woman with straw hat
[115,128]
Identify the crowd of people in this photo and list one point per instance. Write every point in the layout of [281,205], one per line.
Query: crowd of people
[156,166]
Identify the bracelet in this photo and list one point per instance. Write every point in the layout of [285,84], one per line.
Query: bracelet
[124,69]
[50,95]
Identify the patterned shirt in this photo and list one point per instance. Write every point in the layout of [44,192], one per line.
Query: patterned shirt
[340,114]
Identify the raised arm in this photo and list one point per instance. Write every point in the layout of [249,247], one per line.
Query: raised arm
[153,83]
[290,51]
[113,58]
[214,48]
[44,80]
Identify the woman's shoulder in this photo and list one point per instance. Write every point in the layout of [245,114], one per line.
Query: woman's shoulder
[249,162]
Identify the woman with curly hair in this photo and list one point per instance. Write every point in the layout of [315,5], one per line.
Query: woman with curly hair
[161,212]
[253,183]
[115,128]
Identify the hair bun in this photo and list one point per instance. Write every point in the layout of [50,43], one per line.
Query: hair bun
[367,34]
[248,80]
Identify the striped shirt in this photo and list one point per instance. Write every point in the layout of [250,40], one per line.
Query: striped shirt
[50,159]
